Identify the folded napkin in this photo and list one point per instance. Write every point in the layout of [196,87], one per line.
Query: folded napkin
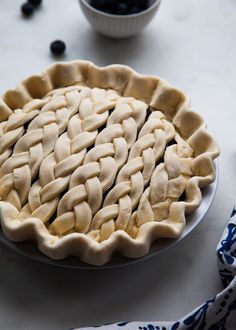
[217,313]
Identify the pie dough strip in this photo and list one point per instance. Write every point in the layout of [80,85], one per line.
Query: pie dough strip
[108,156]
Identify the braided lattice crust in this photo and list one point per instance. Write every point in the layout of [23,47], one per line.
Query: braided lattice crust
[94,160]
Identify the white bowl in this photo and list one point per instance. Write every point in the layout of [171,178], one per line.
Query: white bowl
[119,26]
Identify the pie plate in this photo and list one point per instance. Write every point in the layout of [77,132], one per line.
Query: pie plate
[30,250]
[99,161]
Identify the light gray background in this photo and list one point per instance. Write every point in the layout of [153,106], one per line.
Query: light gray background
[192,44]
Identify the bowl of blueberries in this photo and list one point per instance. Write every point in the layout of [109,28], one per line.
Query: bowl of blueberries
[119,18]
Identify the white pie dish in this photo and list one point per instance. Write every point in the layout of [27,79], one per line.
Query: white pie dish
[57,137]
[119,26]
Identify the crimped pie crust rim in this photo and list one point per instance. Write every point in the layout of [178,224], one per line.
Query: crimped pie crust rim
[159,95]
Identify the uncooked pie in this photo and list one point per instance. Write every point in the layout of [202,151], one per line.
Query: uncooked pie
[96,160]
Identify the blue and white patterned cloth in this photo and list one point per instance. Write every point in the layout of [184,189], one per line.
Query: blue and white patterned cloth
[217,313]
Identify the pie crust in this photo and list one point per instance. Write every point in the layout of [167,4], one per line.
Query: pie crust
[96,160]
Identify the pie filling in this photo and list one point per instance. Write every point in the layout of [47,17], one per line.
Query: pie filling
[87,160]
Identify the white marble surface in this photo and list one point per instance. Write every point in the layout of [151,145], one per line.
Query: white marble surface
[190,43]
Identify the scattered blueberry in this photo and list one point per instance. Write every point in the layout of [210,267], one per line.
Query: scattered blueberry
[35,3]
[57,47]
[27,9]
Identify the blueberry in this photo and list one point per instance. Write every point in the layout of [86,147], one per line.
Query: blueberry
[137,2]
[135,10]
[145,5]
[122,8]
[98,4]
[107,10]
[142,4]
[27,9]
[111,4]
[57,47]
[35,3]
